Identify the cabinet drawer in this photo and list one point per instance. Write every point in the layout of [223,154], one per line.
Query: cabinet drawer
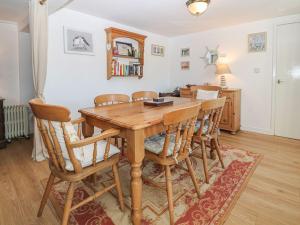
[185,93]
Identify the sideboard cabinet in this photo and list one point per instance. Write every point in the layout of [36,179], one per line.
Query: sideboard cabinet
[231,116]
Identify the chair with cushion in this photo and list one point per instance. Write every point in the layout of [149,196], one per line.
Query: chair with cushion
[206,131]
[206,92]
[174,146]
[72,159]
[143,95]
[111,99]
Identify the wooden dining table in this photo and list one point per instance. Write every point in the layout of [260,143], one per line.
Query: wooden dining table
[136,122]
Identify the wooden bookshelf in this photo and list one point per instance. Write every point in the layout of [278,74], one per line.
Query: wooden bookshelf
[114,33]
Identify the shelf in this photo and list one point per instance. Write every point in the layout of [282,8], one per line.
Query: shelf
[125,56]
[111,35]
[126,75]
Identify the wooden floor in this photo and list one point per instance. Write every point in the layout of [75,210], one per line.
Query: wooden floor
[272,196]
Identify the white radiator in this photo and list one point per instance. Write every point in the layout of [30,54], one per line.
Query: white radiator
[16,121]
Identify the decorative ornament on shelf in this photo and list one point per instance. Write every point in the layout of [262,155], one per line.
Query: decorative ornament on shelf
[197,7]
[223,69]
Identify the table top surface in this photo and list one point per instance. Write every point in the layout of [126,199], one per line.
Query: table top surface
[136,115]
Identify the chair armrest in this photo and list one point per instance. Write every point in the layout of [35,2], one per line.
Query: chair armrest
[78,120]
[94,139]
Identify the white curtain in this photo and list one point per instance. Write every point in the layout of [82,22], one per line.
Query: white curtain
[38,21]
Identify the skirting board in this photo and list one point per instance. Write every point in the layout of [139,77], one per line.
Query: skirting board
[258,130]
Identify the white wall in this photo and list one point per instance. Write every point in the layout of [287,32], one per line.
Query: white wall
[25,73]
[25,68]
[9,63]
[74,80]
[256,87]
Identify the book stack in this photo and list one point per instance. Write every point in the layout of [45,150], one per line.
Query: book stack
[121,69]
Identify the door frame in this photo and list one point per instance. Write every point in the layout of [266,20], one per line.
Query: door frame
[284,21]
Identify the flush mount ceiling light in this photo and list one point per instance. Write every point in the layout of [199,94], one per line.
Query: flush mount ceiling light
[197,7]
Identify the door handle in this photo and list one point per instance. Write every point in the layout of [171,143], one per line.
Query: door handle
[279,81]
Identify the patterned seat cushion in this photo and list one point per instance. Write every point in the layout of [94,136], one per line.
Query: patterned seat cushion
[155,144]
[198,125]
[83,154]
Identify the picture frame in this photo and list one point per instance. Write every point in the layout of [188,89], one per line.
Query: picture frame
[185,65]
[257,42]
[184,52]
[78,41]
[157,50]
[124,48]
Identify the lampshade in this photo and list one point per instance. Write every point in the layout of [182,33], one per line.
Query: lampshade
[197,7]
[223,69]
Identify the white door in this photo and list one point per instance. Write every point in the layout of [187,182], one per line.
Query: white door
[287,86]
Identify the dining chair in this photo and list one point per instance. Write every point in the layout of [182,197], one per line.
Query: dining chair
[206,92]
[111,99]
[72,159]
[206,131]
[173,147]
[143,95]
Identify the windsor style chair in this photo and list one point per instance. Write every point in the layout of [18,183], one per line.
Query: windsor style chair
[73,159]
[174,146]
[111,99]
[143,95]
[207,131]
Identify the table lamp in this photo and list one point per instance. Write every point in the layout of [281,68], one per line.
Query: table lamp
[223,69]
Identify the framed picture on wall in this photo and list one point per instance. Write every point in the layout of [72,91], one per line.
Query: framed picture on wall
[185,52]
[78,42]
[185,65]
[124,48]
[157,50]
[257,42]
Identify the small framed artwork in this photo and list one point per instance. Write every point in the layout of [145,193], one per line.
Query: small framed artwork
[185,65]
[157,50]
[257,42]
[124,48]
[78,42]
[185,52]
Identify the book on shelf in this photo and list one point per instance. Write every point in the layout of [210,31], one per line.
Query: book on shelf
[131,69]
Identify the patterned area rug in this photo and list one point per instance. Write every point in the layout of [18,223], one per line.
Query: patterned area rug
[217,198]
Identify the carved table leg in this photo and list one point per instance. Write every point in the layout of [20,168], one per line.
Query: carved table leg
[87,129]
[136,153]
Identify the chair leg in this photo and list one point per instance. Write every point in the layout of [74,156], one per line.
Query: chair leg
[219,152]
[192,174]
[204,158]
[68,204]
[170,193]
[212,148]
[118,186]
[46,194]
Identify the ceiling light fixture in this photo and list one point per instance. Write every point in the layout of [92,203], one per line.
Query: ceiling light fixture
[197,7]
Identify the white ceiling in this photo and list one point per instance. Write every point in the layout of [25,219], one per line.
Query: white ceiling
[13,10]
[171,18]
[17,10]
[166,17]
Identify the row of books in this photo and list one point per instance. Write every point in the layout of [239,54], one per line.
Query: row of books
[119,69]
